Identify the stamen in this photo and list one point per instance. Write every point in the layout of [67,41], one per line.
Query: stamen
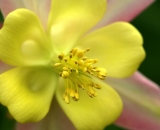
[61,56]
[77,71]
[57,64]
[80,54]
[65,74]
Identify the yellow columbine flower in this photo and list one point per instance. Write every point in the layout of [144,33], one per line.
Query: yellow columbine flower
[57,60]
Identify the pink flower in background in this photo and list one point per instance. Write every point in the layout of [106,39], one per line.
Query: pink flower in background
[139,94]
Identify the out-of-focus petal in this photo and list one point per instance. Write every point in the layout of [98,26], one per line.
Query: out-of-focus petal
[118,48]
[55,120]
[92,113]
[4,67]
[71,19]
[141,98]
[1,24]
[123,10]
[40,7]
[28,92]
[23,40]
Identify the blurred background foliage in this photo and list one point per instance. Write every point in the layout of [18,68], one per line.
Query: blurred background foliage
[148,23]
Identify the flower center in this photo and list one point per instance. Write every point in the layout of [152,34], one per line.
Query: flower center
[77,72]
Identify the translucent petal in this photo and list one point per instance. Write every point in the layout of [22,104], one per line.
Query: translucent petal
[92,113]
[118,48]
[40,7]
[123,10]
[71,19]
[52,121]
[141,102]
[27,92]
[23,40]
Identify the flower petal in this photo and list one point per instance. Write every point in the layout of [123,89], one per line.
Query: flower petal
[23,41]
[124,10]
[39,7]
[141,98]
[53,121]
[27,92]
[92,113]
[118,47]
[69,20]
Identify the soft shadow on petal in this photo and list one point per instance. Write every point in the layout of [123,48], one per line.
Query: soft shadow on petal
[118,48]
[4,67]
[71,19]
[23,40]
[40,7]
[28,92]
[55,120]
[123,10]
[92,113]
[141,98]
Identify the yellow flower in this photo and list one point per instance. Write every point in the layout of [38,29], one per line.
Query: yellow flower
[54,61]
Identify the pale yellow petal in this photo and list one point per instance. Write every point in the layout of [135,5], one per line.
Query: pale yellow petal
[70,19]
[92,113]
[118,48]
[28,92]
[23,40]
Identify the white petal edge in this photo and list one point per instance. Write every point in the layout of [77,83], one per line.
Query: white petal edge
[40,7]
[123,10]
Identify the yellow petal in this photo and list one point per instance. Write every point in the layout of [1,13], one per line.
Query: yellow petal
[23,40]
[70,19]
[27,92]
[118,48]
[92,113]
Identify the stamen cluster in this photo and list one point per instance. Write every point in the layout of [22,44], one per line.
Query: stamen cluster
[76,70]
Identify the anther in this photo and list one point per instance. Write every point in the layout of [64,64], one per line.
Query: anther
[66,98]
[60,74]
[65,74]
[76,95]
[71,55]
[57,64]
[88,49]
[80,62]
[65,68]
[97,86]
[102,74]
[90,61]
[88,64]
[84,69]
[91,91]
[72,93]
[65,60]
[84,58]
[80,54]
[76,62]
[74,98]
[74,51]
[61,56]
